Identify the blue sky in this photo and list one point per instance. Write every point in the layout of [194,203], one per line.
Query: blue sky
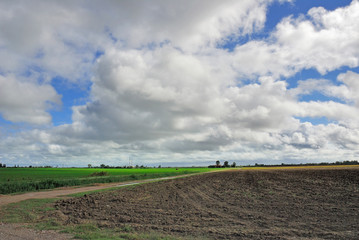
[178,83]
[71,95]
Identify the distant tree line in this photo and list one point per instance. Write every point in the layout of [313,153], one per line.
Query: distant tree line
[225,165]
[18,166]
[108,166]
[354,162]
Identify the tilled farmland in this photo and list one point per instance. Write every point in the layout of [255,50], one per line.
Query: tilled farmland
[242,204]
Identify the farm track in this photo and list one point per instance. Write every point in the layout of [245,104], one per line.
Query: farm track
[62,192]
[260,204]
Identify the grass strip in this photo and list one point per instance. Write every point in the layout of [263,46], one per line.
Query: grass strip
[28,211]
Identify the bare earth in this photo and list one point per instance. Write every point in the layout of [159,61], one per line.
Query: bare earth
[260,204]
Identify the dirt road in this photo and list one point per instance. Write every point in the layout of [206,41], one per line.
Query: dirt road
[61,192]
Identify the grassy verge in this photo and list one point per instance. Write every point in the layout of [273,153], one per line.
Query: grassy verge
[114,188]
[28,186]
[91,231]
[28,211]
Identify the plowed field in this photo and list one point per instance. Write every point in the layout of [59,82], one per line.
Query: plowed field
[251,204]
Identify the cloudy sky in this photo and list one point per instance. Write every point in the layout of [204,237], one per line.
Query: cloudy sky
[178,82]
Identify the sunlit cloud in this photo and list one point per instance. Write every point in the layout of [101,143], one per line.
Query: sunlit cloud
[158,82]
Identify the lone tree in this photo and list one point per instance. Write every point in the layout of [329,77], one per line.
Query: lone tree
[218,163]
[234,164]
[226,164]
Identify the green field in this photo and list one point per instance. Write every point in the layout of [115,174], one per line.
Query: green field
[14,180]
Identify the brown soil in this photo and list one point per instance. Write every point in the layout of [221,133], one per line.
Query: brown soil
[268,204]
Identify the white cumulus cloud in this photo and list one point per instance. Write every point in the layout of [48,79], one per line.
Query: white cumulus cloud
[162,89]
[26,101]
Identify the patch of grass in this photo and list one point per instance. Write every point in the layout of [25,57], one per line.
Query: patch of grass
[26,211]
[91,192]
[110,189]
[91,231]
